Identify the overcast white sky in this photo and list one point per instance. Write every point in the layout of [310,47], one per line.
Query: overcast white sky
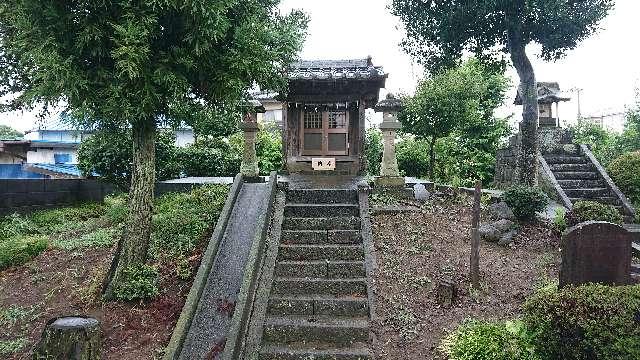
[605,66]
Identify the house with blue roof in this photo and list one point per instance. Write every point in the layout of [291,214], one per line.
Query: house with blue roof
[51,151]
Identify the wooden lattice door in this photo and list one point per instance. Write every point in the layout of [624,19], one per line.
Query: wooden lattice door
[325,133]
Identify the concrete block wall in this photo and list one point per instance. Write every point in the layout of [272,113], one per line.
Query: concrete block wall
[27,195]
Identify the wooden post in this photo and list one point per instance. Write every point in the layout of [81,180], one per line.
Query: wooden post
[474,263]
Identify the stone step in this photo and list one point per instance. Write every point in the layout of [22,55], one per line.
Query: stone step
[609,200]
[592,193]
[319,306]
[566,150]
[578,184]
[329,223]
[321,237]
[333,332]
[576,175]
[286,353]
[320,252]
[321,269]
[560,159]
[571,167]
[321,210]
[314,286]
[320,196]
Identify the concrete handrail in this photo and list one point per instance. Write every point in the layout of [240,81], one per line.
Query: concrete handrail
[244,305]
[626,204]
[173,349]
[554,182]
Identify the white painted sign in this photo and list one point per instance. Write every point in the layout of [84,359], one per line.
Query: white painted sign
[323,164]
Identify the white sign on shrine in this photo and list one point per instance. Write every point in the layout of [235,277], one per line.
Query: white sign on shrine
[323,164]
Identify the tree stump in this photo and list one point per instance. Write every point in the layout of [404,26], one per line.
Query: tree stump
[72,338]
[446,292]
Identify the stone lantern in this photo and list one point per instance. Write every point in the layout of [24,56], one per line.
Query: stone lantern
[249,165]
[389,172]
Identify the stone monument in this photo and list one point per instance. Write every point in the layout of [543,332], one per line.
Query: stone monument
[596,252]
[249,166]
[389,172]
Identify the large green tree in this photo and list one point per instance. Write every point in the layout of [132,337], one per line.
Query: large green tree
[630,139]
[439,32]
[457,100]
[137,64]
[9,133]
[107,153]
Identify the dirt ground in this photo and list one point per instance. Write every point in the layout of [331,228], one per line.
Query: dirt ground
[58,283]
[415,250]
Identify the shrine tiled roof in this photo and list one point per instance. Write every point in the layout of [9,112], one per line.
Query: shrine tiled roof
[358,69]
[548,92]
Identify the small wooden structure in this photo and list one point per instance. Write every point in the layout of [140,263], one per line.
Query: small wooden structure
[324,114]
[549,94]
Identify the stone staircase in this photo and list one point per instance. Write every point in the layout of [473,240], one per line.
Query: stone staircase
[579,178]
[318,305]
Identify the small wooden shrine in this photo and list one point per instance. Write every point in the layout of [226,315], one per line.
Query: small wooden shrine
[549,96]
[324,115]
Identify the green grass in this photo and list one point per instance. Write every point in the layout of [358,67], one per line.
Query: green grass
[15,320]
[15,314]
[8,347]
[99,238]
[181,222]
[24,237]
[18,250]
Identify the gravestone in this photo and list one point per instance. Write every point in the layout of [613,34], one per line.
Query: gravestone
[596,252]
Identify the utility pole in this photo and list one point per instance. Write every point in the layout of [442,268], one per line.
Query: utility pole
[578,91]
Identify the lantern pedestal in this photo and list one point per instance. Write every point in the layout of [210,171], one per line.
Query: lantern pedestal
[249,166]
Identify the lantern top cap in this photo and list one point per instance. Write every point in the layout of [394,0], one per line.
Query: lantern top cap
[390,104]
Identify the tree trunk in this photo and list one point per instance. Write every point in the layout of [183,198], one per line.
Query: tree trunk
[432,158]
[134,243]
[73,338]
[527,161]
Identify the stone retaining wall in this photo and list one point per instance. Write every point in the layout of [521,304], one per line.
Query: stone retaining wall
[27,195]
[550,140]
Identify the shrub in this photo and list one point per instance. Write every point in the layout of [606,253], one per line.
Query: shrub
[138,283]
[62,219]
[183,268]
[624,172]
[586,322]
[479,340]
[16,225]
[210,158]
[560,220]
[182,219]
[593,211]
[373,149]
[605,145]
[525,201]
[116,208]
[18,250]
[413,157]
[268,148]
